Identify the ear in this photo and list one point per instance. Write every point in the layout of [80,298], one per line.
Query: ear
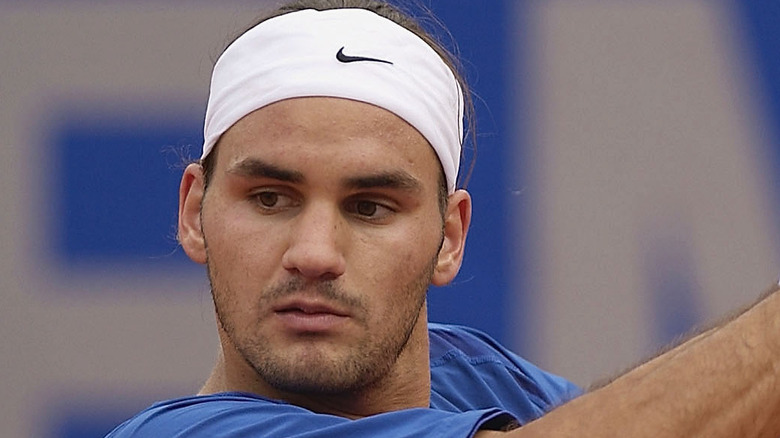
[190,233]
[456,225]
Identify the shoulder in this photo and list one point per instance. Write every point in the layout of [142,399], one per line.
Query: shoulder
[194,416]
[230,415]
[470,370]
[472,342]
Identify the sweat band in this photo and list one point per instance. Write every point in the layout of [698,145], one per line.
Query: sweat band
[346,53]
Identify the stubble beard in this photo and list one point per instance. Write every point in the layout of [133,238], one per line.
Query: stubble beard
[362,365]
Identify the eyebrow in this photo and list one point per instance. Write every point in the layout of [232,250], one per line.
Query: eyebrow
[255,168]
[394,180]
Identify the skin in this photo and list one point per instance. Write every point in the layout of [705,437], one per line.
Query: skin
[321,230]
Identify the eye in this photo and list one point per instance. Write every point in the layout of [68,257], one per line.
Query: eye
[267,199]
[366,208]
[272,200]
[369,210]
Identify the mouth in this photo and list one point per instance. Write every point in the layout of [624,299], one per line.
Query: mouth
[309,308]
[308,316]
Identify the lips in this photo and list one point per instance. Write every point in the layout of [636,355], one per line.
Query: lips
[310,316]
[309,308]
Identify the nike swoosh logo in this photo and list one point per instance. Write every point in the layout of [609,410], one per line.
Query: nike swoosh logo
[347,59]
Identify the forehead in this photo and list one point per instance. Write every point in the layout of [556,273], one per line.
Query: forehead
[334,131]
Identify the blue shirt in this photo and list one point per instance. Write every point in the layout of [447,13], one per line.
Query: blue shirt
[475,383]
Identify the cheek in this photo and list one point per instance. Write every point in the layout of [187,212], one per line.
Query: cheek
[398,260]
[239,250]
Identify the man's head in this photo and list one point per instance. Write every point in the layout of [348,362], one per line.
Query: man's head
[465,108]
[322,226]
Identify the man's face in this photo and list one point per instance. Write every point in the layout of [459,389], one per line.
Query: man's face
[321,231]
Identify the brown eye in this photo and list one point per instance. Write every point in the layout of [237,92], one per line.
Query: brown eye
[267,199]
[366,208]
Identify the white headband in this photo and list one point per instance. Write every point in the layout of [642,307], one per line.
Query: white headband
[347,53]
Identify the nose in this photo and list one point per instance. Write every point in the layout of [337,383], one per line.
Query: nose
[315,246]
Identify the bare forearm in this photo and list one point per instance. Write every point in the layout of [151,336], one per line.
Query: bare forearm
[723,383]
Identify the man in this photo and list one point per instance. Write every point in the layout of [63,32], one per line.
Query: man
[325,203]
